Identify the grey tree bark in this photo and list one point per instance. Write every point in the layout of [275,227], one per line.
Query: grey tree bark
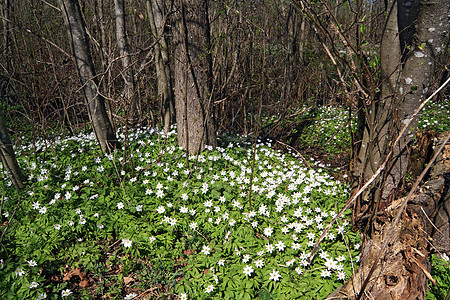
[7,154]
[302,38]
[81,52]
[127,72]
[193,77]
[380,115]
[409,62]
[406,76]
[157,15]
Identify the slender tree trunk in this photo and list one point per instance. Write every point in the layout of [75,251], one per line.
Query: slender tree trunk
[291,41]
[7,154]
[6,11]
[105,56]
[127,72]
[302,38]
[380,116]
[98,8]
[193,77]
[157,13]
[94,101]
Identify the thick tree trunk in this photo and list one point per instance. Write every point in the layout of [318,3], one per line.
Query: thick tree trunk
[404,88]
[157,12]
[94,101]
[193,78]
[127,72]
[426,47]
[401,272]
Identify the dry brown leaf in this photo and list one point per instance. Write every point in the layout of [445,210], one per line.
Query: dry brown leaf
[127,280]
[85,283]
[74,272]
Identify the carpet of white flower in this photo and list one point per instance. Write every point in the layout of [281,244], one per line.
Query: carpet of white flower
[329,129]
[436,116]
[142,203]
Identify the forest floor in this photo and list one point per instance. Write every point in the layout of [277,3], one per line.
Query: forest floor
[236,222]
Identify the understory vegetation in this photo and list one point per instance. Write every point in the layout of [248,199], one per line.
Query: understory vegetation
[236,222]
[329,129]
[436,116]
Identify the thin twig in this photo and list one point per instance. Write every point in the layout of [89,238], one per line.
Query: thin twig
[437,229]
[299,154]
[38,36]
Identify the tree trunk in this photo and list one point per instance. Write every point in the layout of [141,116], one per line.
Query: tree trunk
[402,269]
[104,57]
[7,154]
[7,7]
[127,72]
[302,38]
[157,12]
[81,52]
[404,87]
[193,77]
[291,41]
[380,116]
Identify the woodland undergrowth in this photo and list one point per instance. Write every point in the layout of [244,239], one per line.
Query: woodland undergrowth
[147,221]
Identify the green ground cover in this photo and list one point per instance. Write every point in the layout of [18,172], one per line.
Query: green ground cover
[140,219]
[139,222]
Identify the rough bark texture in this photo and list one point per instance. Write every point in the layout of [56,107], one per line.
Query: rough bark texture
[402,271]
[127,72]
[157,12]
[435,199]
[193,77]
[94,101]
